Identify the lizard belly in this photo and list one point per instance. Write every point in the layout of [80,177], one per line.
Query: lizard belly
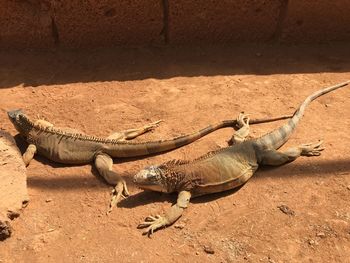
[65,151]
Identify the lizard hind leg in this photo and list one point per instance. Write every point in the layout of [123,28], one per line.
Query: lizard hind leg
[104,164]
[133,133]
[273,157]
[243,132]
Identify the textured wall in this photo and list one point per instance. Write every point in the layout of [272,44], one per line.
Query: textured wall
[84,23]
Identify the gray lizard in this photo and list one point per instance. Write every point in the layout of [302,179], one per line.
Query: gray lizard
[223,169]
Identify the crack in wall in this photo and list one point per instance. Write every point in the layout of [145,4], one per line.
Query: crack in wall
[280,20]
[54,31]
[165,29]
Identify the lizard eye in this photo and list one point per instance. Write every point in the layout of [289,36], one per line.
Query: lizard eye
[152,173]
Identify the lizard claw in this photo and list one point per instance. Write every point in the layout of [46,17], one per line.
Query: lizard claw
[152,126]
[152,223]
[119,191]
[242,119]
[312,149]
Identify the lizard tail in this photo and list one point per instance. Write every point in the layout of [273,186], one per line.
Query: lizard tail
[130,149]
[166,145]
[278,137]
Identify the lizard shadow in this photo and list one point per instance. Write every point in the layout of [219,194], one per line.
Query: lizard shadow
[148,197]
[315,168]
[40,67]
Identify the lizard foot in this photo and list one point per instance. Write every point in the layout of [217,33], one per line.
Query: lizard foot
[153,223]
[312,149]
[242,119]
[152,126]
[119,191]
[243,129]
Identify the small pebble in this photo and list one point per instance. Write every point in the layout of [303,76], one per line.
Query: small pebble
[12,214]
[321,234]
[179,226]
[312,242]
[48,200]
[208,250]
[286,210]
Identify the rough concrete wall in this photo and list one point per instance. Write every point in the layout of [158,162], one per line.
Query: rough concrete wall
[222,21]
[81,23]
[24,24]
[311,20]
[107,22]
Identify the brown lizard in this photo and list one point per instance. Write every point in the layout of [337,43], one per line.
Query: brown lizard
[224,169]
[69,146]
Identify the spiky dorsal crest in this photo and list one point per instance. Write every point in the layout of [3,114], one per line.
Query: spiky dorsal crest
[209,154]
[172,163]
[176,162]
[62,134]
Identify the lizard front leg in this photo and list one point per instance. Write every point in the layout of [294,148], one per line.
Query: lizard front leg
[104,163]
[29,154]
[153,223]
[273,157]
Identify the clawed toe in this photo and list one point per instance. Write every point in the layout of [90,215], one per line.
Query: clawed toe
[120,191]
[152,125]
[242,119]
[312,149]
[152,223]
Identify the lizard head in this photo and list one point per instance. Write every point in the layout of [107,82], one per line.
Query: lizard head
[167,177]
[151,178]
[19,120]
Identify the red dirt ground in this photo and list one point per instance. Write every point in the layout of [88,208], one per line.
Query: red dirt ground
[102,91]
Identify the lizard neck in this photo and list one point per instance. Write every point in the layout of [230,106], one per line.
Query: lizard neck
[23,125]
[180,175]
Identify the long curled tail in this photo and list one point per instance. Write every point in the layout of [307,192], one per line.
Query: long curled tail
[278,137]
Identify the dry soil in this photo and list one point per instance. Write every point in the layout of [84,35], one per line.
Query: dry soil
[299,212]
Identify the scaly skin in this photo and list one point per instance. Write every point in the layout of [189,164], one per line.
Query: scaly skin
[226,168]
[68,146]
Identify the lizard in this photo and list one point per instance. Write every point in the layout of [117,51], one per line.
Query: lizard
[70,146]
[224,169]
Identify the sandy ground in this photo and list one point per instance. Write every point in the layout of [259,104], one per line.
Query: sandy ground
[102,91]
